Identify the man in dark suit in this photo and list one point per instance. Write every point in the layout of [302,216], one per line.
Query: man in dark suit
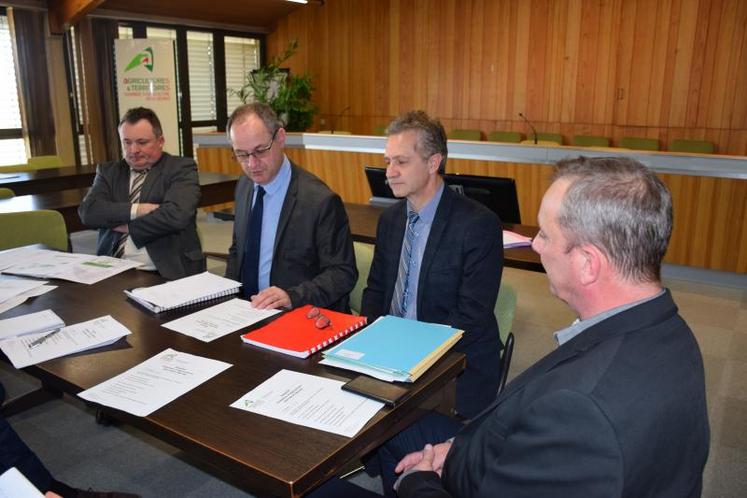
[618,409]
[145,204]
[445,267]
[291,239]
[15,453]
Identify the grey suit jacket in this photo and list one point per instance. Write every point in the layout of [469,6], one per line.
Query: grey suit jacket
[313,259]
[617,411]
[458,285]
[169,233]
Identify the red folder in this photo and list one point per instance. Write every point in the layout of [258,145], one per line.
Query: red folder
[296,335]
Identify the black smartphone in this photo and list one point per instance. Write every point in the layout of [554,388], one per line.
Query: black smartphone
[386,392]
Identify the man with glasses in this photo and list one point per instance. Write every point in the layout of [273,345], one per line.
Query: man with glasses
[291,239]
[439,255]
[145,204]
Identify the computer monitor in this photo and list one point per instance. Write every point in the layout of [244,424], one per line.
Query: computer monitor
[381,194]
[497,193]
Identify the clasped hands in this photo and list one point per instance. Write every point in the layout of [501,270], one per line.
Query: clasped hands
[430,459]
[143,208]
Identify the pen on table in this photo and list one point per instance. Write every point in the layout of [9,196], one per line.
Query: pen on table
[43,338]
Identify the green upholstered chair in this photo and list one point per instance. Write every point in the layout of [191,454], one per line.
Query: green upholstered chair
[550,137]
[42,162]
[335,132]
[6,193]
[505,310]
[33,227]
[590,141]
[379,130]
[15,168]
[639,143]
[363,258]
[513,137]
[693,146]
[463,134]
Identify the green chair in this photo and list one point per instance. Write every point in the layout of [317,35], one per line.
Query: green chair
[33,227]
[639,143]
[590,141]
[379,130]
[513,137]
[505,310]
[459,134]
[693,146]
[363,258]
[43,162]
[15,168]
[6,193]
[550,137]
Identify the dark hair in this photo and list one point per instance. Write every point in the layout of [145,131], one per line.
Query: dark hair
[431,134]
[135,114]
[619,206]
[262,111]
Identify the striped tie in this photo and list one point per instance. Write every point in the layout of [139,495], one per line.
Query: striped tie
[137,186]
[399,299]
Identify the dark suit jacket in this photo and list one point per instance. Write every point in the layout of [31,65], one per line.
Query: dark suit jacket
[458,285]
[169,233]
[617,411]
[313,259]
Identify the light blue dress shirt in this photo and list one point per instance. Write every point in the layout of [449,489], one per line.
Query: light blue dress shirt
[422,231]
[272,205]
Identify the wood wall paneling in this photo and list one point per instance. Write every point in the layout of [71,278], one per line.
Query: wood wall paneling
[661,69]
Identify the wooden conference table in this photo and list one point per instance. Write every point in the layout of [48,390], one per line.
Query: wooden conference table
[364,218]
[263,455]
[216,188]
[40,181]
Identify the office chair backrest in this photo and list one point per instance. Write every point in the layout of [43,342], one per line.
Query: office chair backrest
[693,146]
[513,137]
[43,162]
[33,227]
[550,137]
[15,168]
[6,193]
[460,134]
[639,143]
[363,258]
[590,141]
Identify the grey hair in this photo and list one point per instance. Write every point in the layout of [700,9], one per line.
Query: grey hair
[622,208]
[431,134]
[262,111]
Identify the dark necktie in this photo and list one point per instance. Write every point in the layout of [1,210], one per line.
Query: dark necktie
[250,265]
[398,306]
[137,186]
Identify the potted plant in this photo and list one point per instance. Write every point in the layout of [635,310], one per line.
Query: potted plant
[288,95]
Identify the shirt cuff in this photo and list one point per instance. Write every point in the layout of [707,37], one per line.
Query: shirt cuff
[133,210]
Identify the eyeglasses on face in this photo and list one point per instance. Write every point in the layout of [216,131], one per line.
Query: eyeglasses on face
[321,321]
[259,152]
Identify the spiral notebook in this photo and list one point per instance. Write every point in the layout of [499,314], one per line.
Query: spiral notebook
[183,292]
[295,334]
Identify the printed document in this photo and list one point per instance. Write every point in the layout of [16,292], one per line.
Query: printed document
[13,484]
[13,256]
[11,286]
[219,320]
[21,298]
[310,401]
[81,268]
[30,323]
[31,349]
[154,383]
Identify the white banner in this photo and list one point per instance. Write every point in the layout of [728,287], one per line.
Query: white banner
[146,77]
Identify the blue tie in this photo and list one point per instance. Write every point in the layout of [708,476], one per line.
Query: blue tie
[250,265]
[398,306]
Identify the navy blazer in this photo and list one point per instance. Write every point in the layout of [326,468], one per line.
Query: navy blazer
[313,258]
[169,233]
[617,411]
[458,285]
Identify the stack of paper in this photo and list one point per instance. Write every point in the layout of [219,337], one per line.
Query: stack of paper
[81,268]
[14,291]
[31,323]
[393,349]
[31,349]
[184,292]
[513,239]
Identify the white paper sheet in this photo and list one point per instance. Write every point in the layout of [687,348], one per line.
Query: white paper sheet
[21,298]
[187,290]
[81,268]
[154,383]
[13,484]
[310,401]
[12,286]
[72,339]
[30,323]
[13,256]
[219,320]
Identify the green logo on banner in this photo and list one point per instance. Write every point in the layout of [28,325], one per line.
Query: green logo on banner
[144,58]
